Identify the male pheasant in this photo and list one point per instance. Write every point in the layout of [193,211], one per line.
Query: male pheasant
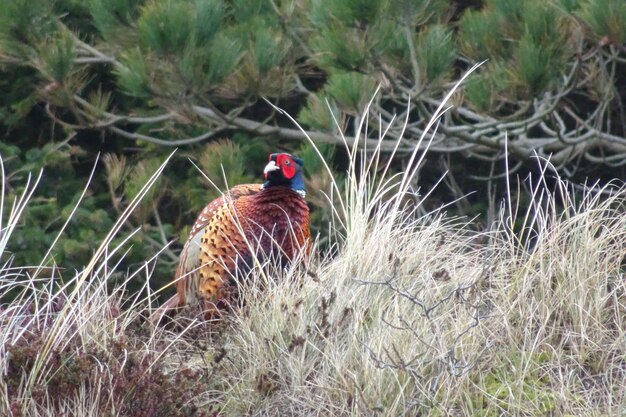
[269,219]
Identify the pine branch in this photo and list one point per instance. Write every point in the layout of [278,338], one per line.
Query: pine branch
[462,130]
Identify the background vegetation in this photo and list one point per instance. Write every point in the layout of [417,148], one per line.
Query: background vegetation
[133,79]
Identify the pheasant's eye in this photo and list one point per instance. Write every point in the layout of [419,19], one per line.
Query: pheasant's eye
[287,162]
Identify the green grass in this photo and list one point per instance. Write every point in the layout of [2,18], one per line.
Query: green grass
[407,314]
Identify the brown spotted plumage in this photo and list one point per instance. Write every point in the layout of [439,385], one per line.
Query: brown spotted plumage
[270,219]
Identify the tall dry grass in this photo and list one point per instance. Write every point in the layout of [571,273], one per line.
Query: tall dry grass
[420,315]
[76,347]
[406,314]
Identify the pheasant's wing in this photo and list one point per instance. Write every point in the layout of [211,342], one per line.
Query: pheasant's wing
[187,275]
[224,249]
[209,211]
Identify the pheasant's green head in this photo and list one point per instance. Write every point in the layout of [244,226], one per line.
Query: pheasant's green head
[285,170]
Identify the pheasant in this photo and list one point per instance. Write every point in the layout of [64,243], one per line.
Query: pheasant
[269,219]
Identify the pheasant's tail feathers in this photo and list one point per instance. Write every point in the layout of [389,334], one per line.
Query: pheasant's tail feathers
[170,305]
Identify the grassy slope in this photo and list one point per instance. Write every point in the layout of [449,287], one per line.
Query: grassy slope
[412,315]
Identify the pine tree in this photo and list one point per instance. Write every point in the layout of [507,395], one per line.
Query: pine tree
[179,72]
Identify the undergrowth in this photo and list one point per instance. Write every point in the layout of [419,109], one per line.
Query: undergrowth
[407,314]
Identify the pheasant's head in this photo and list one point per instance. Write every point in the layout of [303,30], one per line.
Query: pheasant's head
[285,170]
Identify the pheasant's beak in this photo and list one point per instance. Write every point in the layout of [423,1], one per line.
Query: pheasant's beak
[271,166]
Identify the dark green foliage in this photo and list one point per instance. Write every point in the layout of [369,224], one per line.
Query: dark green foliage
[222,57]
[335,50]
[351,90]
[245,10]
[542,23]
[208,18]
[529,38]
[317,114]
[133,76]
[534,67]
[109,15]
[509,12]
[224,163]
[484,89]
[58,55]
[606,18]
[354,12]
[568,5]
[435,51]
[24,22]
[181,50]
[477,35]
[417,12]
[164,28]
[268,50]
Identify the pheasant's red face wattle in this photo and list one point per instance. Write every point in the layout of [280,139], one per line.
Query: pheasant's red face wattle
[287,165]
